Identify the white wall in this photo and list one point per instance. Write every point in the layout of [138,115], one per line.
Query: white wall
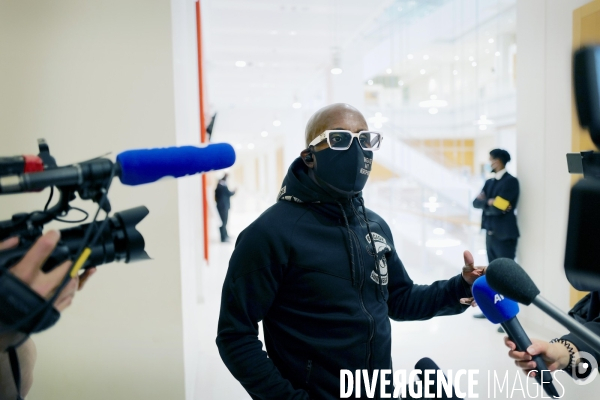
[93,77]
[544,37]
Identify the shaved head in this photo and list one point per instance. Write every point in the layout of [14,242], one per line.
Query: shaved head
[335,116]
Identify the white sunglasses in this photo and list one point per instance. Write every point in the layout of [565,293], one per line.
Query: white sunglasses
[342,139]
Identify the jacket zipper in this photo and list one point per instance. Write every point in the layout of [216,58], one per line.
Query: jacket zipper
[362,304]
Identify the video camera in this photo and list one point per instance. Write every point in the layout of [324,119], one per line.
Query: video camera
[582,256]
[98,242]
[118,240]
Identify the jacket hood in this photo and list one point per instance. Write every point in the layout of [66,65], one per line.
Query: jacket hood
[300,185]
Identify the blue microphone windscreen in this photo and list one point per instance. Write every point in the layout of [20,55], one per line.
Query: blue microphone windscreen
[493,305]
[149,165]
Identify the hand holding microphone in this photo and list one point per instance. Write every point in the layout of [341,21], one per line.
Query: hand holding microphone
[499,309]
[555,355]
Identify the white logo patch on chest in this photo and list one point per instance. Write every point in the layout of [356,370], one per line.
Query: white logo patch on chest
[381,246]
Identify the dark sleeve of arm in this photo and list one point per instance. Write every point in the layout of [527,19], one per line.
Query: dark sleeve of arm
[409,302]
[249,289]
[594,326]
[477,203]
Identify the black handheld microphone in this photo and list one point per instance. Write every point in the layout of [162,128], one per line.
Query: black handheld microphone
[499,309]
[508,278]
[427,364]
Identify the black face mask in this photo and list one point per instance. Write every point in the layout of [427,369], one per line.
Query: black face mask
[344,170]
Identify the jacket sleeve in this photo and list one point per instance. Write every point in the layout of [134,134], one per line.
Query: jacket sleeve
[250,287]
[477,203]
[409,302]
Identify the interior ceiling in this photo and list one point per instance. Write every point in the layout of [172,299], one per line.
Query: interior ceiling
[285,44]
[288,45]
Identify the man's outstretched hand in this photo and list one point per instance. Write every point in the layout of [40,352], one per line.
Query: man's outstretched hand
[470,273]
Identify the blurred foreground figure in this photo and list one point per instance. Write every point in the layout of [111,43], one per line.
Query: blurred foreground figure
[222,195]
[321,271]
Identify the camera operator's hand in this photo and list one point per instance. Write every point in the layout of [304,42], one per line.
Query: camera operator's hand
[29,270]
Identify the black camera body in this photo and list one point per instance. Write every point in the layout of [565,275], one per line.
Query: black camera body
[582,255]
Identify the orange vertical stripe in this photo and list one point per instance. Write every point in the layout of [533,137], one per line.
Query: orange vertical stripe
[202,127]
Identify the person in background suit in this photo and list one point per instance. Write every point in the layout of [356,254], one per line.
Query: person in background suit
[498,200]
[222,195]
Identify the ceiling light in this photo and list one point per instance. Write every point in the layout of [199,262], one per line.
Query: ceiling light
[491,40]
[400,83]
[497,54]
[336,71]
[276,122]
[474,64]
[250,146]
[370,82]
[471,58]
[422,72]
[264,134]
[240,64]
[297,105]
[456,58]
[410,56]
[425,57]
[439,231]
[378,120]
[388,70]
[483,122]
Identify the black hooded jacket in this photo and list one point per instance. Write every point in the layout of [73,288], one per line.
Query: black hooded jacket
[312,279]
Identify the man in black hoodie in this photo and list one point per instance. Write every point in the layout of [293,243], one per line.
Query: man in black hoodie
[320,270]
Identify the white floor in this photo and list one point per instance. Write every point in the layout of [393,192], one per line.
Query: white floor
[458,342]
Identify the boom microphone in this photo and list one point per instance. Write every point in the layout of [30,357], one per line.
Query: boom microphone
[509,279]
[149,165]
[503,311]
[133,167]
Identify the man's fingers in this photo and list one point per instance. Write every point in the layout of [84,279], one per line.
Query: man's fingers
[9,243]
[65,297]
[31,264]
[85,276]
[537,347]
[46,283]
[519,355]
[469,261]
[529,365]
[509,343]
